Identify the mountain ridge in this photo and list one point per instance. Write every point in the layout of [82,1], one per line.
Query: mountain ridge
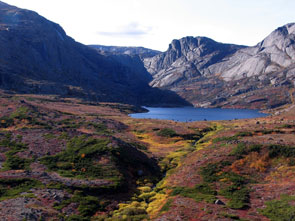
[38,57]
[214,74]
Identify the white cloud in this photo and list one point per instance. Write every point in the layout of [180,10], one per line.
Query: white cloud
[131,30]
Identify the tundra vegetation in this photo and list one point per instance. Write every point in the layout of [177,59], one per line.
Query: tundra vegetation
[82,161]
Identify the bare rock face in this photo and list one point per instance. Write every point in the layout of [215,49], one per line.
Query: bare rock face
[36,56]
[274,54]
[186,59]
[210,74]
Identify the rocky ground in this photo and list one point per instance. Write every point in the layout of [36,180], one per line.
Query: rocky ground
[67,159]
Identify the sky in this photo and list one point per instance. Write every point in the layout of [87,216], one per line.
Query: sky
[155,23]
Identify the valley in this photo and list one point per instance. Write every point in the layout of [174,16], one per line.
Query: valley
[67,159]
[69,150]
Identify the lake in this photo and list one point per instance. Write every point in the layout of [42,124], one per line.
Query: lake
[187,114]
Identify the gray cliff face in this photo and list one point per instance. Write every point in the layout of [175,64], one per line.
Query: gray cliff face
[208,73]
[274,54]
[36,56]
[185,59]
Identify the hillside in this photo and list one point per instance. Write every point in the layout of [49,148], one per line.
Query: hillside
[211,74]
[36,56]
[67,159]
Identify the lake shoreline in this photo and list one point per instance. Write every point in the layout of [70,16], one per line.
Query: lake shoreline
[190,114]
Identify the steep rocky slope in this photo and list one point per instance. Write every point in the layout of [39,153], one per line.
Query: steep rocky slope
[36,56]
[208,73]
[185,59]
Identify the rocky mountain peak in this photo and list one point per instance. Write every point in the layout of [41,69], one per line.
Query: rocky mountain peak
[282,38]
[189,43]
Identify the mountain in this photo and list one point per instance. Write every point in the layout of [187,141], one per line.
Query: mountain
[185,59]
[210,74]
[36,56]
[140,51]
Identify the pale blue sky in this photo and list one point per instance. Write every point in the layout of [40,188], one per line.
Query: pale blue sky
[155,23]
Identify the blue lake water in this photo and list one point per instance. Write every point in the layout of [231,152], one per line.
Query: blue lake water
[186,114]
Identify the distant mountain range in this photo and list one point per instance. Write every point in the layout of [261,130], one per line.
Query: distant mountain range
[36,56]
[140,51]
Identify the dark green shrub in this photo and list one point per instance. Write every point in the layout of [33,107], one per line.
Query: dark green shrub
[244,134]
[167,132]
[209,172]
[220,139]
[281,151]
[239,150]
[11,188]
[6,122]
[14,162]
[255,147]
[239,196]
[198,193]
[283,209]
[77,159]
